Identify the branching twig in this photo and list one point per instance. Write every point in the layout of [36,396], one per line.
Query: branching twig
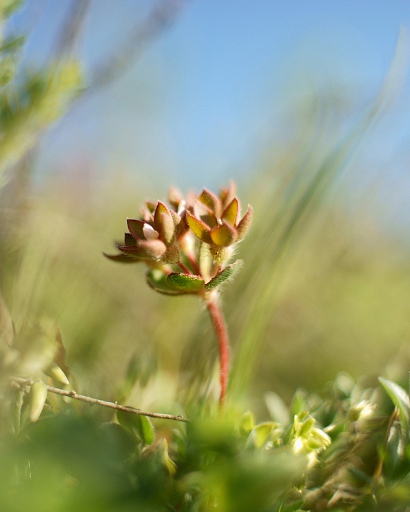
[19,381]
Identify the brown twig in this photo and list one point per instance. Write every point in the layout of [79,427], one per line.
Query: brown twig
[19,382]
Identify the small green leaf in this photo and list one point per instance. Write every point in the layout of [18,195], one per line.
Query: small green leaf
[260,434]
[166,460]
[157,280]
[225,274]
[146,429]
[56,373]
[38,397]
[247,423]
[138,424]
[400,399]
[303,424]
[298,403]
[185,282]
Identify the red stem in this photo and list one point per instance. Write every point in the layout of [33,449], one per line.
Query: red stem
[193,264]
[184,267]
[221,331]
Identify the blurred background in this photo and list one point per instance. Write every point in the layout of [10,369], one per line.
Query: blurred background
[305,105]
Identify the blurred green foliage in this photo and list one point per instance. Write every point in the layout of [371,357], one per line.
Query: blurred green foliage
[321,292]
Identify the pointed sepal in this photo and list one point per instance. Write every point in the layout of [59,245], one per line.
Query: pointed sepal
[135,227]
[167,228]
[120,258]
[199,228]
[150,250]
[224,235]
[228,193]
[211,201]
[231,212]
[245,223]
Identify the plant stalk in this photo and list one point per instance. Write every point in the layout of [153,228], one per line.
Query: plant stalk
[19,382]
[219,324]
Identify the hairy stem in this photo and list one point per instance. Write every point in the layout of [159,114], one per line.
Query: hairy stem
[221,331]
[20,382]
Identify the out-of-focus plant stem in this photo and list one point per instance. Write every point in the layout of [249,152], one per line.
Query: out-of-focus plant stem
[218,321]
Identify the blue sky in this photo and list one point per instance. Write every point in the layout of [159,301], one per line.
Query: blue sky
[214,90]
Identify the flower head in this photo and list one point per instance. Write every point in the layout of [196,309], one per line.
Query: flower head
[215,220]
[152,238]
[194,234]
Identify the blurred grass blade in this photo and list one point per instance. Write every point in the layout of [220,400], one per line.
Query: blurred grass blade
[401,400]
[311,183]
